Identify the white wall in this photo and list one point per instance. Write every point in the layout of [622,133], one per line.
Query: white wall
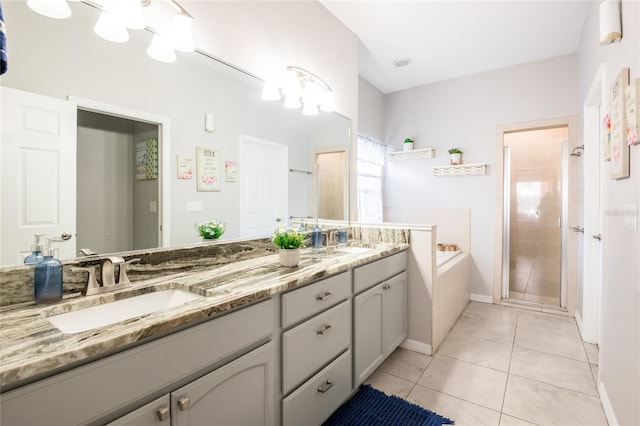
[371,110]
[620,323]
[464,113]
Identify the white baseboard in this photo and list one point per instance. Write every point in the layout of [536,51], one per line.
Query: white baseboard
[482,298]
[414,345]
[606,405]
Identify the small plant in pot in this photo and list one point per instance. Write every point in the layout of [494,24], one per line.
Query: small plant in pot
[211,230]
[407,145]
[289,241]
[455,157]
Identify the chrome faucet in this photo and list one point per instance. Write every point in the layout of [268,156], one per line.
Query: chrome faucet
[332,237]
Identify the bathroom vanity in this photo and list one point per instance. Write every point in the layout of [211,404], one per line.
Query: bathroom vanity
[274,346]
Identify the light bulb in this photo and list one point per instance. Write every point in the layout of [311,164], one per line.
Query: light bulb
[311,92]
[111,28]
[161,50]
[292,101]
[58,9]
[181,33]
[327,102]
[130,13]
[270,92]
[310,108]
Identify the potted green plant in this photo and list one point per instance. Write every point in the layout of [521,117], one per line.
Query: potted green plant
[289,241]
[211,230]
[455,157]
[407,145]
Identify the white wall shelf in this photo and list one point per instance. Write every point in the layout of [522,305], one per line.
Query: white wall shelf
[463,169]
[413,154]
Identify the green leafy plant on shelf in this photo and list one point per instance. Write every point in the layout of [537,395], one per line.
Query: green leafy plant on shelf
[455,151]
[211,230]
[289,238]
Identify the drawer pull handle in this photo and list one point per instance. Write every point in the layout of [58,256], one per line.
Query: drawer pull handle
[324,329]
[163,413]
[386,286]
[323,295]
[325,387]
[184,404]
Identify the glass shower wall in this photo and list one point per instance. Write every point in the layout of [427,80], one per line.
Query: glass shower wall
[536,185]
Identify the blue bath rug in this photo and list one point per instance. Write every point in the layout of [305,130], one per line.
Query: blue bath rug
[370,407]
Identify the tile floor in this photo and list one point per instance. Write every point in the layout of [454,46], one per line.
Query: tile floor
[502,366]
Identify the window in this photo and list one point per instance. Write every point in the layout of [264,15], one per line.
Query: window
[371,154]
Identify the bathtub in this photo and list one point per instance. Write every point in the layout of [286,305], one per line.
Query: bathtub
[443,257]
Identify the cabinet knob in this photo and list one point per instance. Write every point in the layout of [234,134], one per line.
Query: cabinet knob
[323,329]
[325,387]
[184,404]
[163,413]
[323,295]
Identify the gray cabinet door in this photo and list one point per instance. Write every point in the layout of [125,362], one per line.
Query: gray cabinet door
[369,346]
[239,393]
[155,413]
[395,299]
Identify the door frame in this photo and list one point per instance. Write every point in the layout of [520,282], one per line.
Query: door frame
[164,154]
[593,266]
[571,122]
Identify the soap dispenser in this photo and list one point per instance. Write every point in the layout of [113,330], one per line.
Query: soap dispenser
[36,250]
[316,237]
[48,278]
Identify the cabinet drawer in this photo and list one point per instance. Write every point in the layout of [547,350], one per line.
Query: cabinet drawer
[309,300]
[375,272]
[313,402]
[314,343]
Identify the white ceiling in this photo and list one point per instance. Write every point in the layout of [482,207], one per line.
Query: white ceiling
[448,39]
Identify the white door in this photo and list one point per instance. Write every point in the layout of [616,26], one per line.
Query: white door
[38,177]
[264,191]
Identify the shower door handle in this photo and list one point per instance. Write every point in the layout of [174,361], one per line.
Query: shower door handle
[597,237]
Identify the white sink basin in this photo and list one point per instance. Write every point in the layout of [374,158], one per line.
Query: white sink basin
[353,250]
[110,313]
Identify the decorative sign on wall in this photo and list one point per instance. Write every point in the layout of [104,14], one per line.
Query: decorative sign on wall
[619,146]
[185,168]
[633,112]
[230,171]
[208,169]
[147,159]
[606,138]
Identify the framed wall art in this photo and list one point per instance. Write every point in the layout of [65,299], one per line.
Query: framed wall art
[619,146]
[208,169]
[147,159]
[185,170]
[633,112]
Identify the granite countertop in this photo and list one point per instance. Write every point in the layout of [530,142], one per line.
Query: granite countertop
[32,348]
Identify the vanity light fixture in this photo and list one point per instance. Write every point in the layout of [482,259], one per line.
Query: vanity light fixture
[299,87]
[58,9]
[118,15]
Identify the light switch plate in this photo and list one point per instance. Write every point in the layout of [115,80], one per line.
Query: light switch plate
[194,206]
[209,125]
[631,216]
[153,206]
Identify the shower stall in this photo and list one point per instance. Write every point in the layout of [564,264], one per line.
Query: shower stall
[535,210]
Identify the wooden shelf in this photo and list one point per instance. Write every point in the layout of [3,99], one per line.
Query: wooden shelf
[463,169]
[413,154]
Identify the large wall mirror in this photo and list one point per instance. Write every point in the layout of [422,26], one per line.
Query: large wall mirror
[120,102]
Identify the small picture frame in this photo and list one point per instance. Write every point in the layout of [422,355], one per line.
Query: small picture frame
[185,168]
[208,169]
[619,146]
[230,171]
[633,112]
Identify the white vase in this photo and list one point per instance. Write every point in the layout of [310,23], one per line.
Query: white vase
[289,257]
[407,146]
[455,159]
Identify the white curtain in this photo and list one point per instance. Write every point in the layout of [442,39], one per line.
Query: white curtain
[371,156]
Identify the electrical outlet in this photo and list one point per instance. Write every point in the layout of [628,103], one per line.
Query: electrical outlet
[194,206]
[631,216]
